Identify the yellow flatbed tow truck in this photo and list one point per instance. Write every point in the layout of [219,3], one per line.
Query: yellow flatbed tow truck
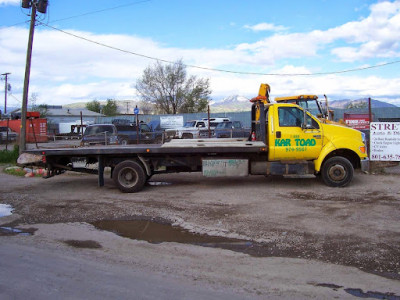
[285,139]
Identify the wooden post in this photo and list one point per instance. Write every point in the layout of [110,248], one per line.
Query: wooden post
[101,170]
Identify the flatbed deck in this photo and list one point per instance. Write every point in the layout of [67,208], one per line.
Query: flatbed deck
[173,147]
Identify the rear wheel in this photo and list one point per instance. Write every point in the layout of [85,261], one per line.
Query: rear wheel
[337,171]
[129,176]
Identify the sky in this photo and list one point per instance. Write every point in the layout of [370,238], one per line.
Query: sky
[97,50]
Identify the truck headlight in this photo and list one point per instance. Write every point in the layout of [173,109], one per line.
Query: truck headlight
[363,137]
[363,149]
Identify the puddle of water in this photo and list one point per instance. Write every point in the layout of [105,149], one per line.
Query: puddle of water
[158,183]
[5,210]
[13,231]
[155,232]
[375,295]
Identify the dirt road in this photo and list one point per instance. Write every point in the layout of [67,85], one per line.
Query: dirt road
[303,238]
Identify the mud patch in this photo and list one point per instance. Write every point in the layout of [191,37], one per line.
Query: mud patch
[367,198]
[89,244]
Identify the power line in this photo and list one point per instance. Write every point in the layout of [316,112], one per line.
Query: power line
[84,14]
[101,10]
[222,70]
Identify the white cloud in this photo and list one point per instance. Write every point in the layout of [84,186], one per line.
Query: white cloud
[66,69]
[265,27]
[376,36]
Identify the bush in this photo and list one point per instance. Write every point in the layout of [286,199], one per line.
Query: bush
[7,156]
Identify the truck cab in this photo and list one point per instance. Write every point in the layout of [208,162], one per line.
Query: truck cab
[292,134]
[311,104]
[128,134]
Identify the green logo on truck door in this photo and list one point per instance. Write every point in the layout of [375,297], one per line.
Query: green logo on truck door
[305,142]
[297,143]
[282,143]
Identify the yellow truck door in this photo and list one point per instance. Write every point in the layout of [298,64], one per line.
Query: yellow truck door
[288,140]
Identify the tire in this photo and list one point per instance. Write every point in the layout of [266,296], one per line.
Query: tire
[129,176]
[337,171]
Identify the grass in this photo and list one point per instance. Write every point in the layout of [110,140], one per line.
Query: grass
[9,157]
[15,171]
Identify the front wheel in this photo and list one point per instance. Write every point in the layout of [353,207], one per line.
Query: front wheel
[337,171]
[129,176]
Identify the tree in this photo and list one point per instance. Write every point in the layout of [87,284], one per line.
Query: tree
[170,91]
[42,109]
[32,100]
[111,108]
[94,106]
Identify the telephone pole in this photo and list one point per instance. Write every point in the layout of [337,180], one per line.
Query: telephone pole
[5,91]
[41,6]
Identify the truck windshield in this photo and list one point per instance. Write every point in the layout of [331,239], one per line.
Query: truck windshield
[224,125]
[190,124]
[312,106]
[91,130]
[144,128]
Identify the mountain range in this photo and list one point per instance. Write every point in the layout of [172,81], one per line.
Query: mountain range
[359,103]
[236,103]
[241,103]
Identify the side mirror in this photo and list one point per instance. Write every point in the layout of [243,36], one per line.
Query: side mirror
[305,125]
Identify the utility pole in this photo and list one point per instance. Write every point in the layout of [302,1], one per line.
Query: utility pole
[5,91]
[41,5]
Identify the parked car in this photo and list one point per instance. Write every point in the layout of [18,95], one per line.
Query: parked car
[128,134]
[6,132]
[100,134]
[231,129]
[112,134]
[195,128]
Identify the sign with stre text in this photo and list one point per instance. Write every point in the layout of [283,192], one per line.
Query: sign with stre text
[385,141]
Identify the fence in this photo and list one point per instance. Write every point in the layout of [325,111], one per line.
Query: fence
[244,116]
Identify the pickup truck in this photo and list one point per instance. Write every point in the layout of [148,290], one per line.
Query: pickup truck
[195,128]
[231,129]
[285,140]
[128,134]
[7,134]
[114,134]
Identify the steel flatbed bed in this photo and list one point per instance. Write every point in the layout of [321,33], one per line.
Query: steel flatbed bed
[132,165]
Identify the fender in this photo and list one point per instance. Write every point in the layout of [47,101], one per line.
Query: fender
[346,143]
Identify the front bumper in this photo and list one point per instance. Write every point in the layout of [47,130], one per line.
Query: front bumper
[365,164]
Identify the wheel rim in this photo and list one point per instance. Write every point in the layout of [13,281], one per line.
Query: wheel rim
[337,172]
[128,177]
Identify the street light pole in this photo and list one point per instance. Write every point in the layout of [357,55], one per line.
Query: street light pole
[5,91]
